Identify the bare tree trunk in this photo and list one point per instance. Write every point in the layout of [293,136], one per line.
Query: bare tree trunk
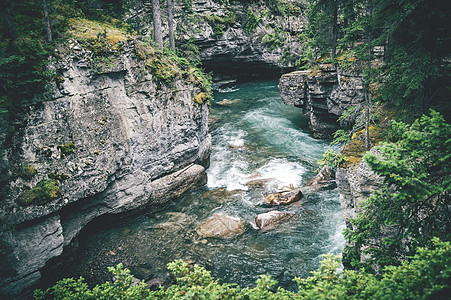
[335,30]
[171,25]
[47,21]
[367,85]
[157,23]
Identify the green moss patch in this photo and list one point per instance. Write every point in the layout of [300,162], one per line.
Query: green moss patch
[58,177]
[97,36]
[201,98]
[354,151]
[66,149]
[26,171]
[45,191]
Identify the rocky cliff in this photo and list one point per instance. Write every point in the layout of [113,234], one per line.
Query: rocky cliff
[355,184]
[324,93]
[112,138]
[237,38]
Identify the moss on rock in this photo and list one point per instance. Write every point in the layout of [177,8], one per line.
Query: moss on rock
[26,171]
[45,191]
[66,149]
[354,151]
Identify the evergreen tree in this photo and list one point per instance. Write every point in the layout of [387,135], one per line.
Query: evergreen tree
[414,205]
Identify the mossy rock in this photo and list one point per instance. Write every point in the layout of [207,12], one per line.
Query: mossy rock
[26,171]
[354,151]
[58,177]
[201,98]
[45,191]
[66,149]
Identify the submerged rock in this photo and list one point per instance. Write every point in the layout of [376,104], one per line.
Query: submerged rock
[221,226]
[258,183]
[221,193]
[325,179]
[283,198]
[269,220]
[228,102]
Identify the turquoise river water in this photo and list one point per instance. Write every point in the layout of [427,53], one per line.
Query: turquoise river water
[255,136]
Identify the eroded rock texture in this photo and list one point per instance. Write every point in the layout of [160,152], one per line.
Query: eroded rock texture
[115,140]
[324,94]
[228,38]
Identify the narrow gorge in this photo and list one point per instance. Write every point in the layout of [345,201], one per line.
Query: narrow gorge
[247,150]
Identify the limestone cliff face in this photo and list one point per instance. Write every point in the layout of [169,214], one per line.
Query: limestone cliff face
[228,38]
[116,140]
[324,93]
[355,184]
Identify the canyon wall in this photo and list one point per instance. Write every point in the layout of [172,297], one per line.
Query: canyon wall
[324,93]
[105,142]
[237,39]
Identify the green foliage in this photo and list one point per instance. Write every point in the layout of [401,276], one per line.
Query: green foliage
[275,40]
[121,288]
[220,24]
[254,19]
[341,137]
[58,177]
[332,159]
[424,275]
[413,73]
[414,204]
[42,193]
[66,149]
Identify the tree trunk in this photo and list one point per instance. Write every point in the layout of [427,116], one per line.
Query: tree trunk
[367,85]
[47,21]
[157,23]
[335,30]
[171,26]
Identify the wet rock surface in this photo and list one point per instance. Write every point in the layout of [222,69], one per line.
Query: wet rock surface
[270,220]
[221,226]
[283,198]
[325,179]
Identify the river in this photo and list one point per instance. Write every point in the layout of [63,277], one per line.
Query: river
[255,136]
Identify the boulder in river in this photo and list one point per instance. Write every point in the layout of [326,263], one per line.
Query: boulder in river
[283,198]
[228,101]
[269,220]
[221,226]
[325,179]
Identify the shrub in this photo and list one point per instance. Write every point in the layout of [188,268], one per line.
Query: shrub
[424,275]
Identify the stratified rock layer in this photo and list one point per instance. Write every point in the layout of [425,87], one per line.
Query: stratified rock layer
[324,94]
[136,142]
[238,39]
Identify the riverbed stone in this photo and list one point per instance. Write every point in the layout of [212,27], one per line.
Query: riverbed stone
[221,226]
[283,198]
[228,101]
[325,179]
[270,220]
